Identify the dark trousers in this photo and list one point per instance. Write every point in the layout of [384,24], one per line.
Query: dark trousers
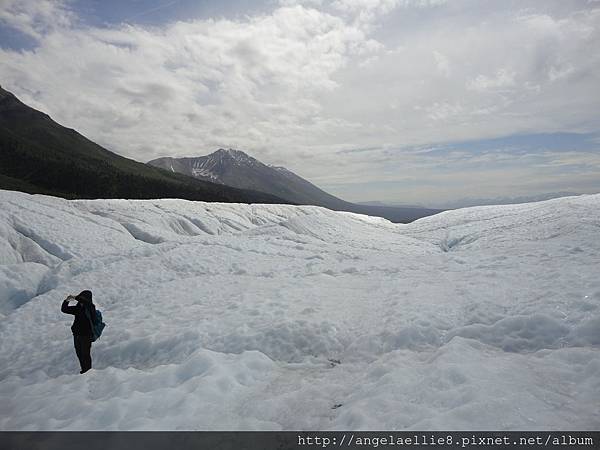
[83,347]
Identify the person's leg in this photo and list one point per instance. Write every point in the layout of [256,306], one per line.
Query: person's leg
[86,357]
[78,349]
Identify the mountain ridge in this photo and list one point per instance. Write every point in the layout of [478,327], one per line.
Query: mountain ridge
[41,156]
[236,168]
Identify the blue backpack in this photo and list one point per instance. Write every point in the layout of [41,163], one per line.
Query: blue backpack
[96,323]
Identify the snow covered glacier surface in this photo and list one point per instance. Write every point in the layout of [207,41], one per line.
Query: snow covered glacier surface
[225,316]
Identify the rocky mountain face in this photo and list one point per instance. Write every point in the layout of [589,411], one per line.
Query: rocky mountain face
[38,155]
[238,169]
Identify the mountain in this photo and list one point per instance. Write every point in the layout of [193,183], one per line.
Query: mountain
[40,156]
[236,168]
[390,204]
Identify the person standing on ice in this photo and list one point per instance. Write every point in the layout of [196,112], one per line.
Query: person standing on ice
[81,328]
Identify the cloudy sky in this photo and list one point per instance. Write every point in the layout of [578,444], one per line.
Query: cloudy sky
[406,101]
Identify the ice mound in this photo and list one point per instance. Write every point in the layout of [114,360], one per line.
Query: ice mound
[231,316]
[203,392]
[286,341]
[411,337]
[467,385]
[518,333]
[586,333]
[19,283]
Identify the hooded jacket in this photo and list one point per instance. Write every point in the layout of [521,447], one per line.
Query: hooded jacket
[81,325]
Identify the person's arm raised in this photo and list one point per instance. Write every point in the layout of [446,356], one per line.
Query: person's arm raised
[65,306]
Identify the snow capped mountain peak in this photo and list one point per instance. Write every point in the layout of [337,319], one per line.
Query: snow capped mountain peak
[279,168]
[239,170]
[224,166]
[215,166]
[235,155]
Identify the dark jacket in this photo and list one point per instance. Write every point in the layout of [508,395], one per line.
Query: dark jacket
[81,325]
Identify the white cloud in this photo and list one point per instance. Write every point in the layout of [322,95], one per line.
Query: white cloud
[444,110]
[442,63]
[473,79]
[190,86]
[312,77]
[501,80]
[363,12]
[35,17]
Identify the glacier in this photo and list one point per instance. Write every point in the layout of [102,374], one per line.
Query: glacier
[276,317]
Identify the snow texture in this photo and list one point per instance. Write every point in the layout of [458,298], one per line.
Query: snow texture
[270,317]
